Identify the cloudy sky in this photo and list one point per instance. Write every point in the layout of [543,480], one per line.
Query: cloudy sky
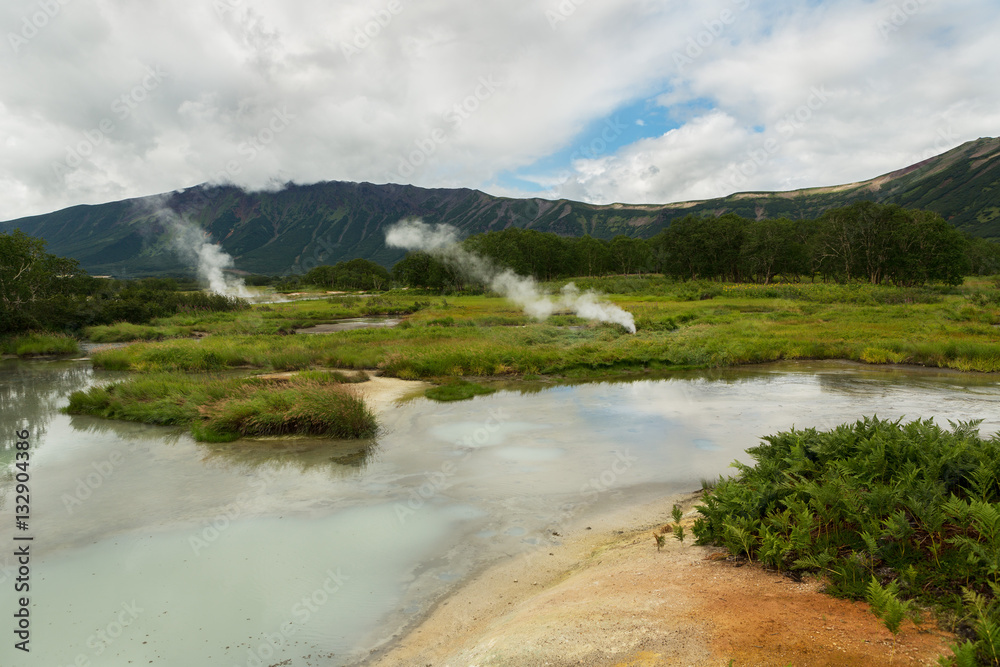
[598,100]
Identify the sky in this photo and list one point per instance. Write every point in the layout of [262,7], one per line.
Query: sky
[633,101]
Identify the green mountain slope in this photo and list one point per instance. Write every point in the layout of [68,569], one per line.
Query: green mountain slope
[302,226]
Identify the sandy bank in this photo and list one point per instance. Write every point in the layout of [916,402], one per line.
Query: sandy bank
[607,597]
[381,392]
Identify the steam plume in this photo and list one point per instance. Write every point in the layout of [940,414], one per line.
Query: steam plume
[195,246]
[442,242]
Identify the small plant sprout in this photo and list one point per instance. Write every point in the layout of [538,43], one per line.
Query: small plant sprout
[660,540]
[677,513]
[679,531]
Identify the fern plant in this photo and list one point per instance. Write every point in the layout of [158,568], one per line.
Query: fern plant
[887,606]
[868,497]
[987,624]
[964,656]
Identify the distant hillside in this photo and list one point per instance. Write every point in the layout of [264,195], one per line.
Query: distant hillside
[302,226]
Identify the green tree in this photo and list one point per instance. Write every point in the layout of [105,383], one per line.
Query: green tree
[420,269]
[31,281]
[629,255]
[592,256]
[769,248]
[928,250]
[351,274]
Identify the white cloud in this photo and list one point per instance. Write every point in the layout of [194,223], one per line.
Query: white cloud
[887,97]
[443,93]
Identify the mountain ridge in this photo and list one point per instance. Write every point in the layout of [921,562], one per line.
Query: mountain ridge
[301,226]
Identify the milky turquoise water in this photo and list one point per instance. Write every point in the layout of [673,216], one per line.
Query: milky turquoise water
[151,549]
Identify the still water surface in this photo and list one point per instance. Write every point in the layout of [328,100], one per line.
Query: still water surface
[151,549]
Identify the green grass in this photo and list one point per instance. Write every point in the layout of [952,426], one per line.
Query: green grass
[488,337]
[679,326]
[262,319]
[912,507]
[35,344]
[458,390]
[224,409]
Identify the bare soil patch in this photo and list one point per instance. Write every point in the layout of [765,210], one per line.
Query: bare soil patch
[605,597]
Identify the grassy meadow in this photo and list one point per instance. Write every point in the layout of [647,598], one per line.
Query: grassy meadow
[679,325]
[453,341]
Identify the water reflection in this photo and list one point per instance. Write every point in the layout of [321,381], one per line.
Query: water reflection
[223,539]
[337,458]
[307,454]
[840,377]
[31,392]
[126,430]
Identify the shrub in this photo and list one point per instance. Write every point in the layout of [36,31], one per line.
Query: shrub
[913,505]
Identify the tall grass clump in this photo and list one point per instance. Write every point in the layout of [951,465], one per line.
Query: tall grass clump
[35,344]
[306,408]
[875,506]
[122,332]
[224,409]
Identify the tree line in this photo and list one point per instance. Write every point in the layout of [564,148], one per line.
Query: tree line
[876,243]
[42,291]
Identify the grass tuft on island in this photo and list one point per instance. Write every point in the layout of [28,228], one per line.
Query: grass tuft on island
[884,511]
[38,344]
[458,390]
[224,409]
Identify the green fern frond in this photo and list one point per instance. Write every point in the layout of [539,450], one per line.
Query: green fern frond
[886,605]
[965,656]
